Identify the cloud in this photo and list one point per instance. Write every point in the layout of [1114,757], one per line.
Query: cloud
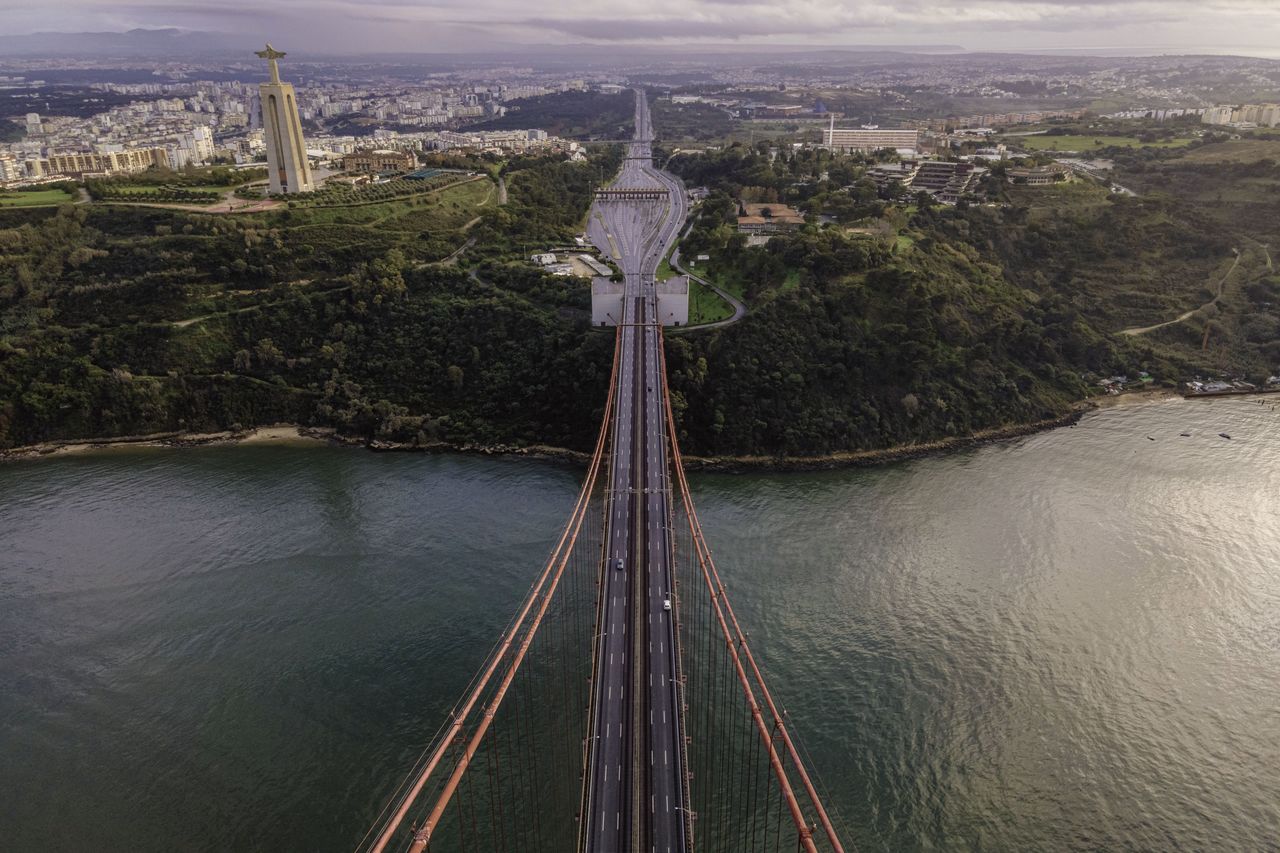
[721,19]
[410,24]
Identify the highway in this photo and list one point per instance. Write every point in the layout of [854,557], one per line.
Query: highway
[634,793]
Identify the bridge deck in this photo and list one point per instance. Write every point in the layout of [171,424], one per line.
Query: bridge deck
[629,621]
[635,792]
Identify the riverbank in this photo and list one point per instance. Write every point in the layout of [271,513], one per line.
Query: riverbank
[279,434]
[276,433]
[1134,398]
[880,456]
[292,433]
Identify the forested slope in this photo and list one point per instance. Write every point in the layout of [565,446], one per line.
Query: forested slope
[118,321]
[871,349]
[891,322]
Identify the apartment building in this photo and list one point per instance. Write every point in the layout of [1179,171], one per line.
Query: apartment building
[379,160]
[115,162]
[870,139]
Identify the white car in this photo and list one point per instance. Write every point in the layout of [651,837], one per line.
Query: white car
[666,604]
[618,565]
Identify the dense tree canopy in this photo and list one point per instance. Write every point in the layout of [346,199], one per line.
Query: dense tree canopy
[879,322]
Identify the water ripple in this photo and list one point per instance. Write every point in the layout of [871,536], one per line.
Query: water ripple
[1067,642]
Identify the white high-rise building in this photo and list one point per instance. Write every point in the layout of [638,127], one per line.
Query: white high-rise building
[288,170]
[202,144]
[870,139]
[34,127]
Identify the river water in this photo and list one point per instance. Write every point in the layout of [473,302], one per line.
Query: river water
[1066,642]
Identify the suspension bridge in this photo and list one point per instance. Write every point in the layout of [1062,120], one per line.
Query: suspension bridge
[622,708]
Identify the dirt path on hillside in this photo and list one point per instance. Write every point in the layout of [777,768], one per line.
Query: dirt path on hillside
[1222,286]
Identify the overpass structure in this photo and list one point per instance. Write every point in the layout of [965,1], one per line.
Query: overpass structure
[634,193]
[622,708]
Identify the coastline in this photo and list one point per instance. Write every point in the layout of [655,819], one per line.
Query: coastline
[1132,398]
[274,434]
[295,434]
[884,455]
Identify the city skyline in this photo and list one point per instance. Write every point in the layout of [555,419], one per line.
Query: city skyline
[1246,27]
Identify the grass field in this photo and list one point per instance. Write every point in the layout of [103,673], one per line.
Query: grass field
[1051,200]
[447,208]
[142,189]
[426,227]
[1236,151]
[664,269]
[1085,143]
[706,306]
[34,199]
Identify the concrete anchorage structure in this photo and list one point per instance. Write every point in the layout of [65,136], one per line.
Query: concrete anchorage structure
[287,166]
[672,301]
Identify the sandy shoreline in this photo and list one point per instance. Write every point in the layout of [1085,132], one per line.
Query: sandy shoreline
[1134,398]
[294,434]
[275,434]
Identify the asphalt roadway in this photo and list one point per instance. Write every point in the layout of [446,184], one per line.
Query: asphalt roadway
[635,792]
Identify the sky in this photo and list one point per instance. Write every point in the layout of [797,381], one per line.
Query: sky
[350,26]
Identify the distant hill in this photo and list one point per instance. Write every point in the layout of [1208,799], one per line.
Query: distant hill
[573,115]
[157,43]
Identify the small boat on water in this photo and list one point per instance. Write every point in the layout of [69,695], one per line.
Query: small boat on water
[1185,434]
[1223,435]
